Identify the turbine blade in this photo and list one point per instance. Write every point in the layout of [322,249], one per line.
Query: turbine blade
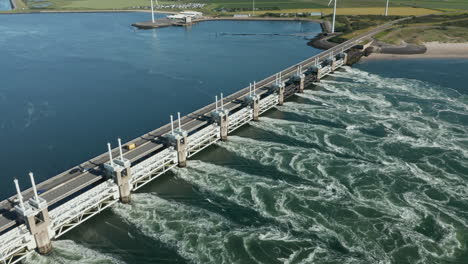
[330,2]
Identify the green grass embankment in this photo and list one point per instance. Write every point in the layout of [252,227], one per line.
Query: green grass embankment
[447,28]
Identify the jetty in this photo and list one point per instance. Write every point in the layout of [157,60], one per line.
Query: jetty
[31,220]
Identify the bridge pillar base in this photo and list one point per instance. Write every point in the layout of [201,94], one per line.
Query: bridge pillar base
[120,170]
[301,85]
[318,76]
[35,214]
[281,95]
[345,58]
[178,140]
[221,118]
[44,245]
[38,222]
[182,151]
[333,65]
[254,102]
[301,79]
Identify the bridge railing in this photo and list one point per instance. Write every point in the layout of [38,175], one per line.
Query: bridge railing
[147,170]
[79,209]
[202,139]
[268,102]
[239,118]
[15,244]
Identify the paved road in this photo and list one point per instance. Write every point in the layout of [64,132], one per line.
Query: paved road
[74,180]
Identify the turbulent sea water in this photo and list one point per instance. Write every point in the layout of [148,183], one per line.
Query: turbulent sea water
[361,169]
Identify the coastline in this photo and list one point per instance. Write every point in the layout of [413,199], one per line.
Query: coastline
[435,50]
[29,11]
[168,22]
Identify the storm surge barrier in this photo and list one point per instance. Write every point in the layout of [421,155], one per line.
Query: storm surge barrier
[33,220]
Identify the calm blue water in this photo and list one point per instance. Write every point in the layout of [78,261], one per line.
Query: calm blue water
[72,82]
[370,166]
[5,5]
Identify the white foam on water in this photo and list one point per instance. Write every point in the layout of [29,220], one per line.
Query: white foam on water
[69,252]
[444,248]
[419,89]
[199,235]
[268,153]
[292,129]
[252,191]
[258,193]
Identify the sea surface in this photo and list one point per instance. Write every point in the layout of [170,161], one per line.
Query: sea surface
[5,5]
[369,166]
[70,83]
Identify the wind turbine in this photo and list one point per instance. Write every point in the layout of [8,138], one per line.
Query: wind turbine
[152,11]
[334,15]
[386,8]
[253,7]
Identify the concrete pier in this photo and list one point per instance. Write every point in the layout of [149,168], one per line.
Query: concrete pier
[333,64]
[281,94]
[119,169]
[35,215]
[253,102]
[159,23]
[221,118]
[223,125]
[178,139]
[39,226]
[299,78]
[122,179]
[181,147]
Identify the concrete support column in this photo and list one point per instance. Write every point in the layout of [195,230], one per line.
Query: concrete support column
[123,179]
[224,125]
[278,88]
[181,147]
[178,140]
[333,65]
[39,225]
[221,118]
[318,75]
[316,72]
[345,58]
[120,170]
[255,108]
[301,83]
[281,94]
[35,215]
[299,78]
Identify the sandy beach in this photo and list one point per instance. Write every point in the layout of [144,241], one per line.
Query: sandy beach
[434,50]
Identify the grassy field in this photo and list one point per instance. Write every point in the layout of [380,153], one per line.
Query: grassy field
[422,34]
[449,28]
[400,11]
[348,7]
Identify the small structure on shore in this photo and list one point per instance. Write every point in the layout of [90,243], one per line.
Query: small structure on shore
[180,19]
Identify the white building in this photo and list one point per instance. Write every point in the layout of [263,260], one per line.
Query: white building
[192,14]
